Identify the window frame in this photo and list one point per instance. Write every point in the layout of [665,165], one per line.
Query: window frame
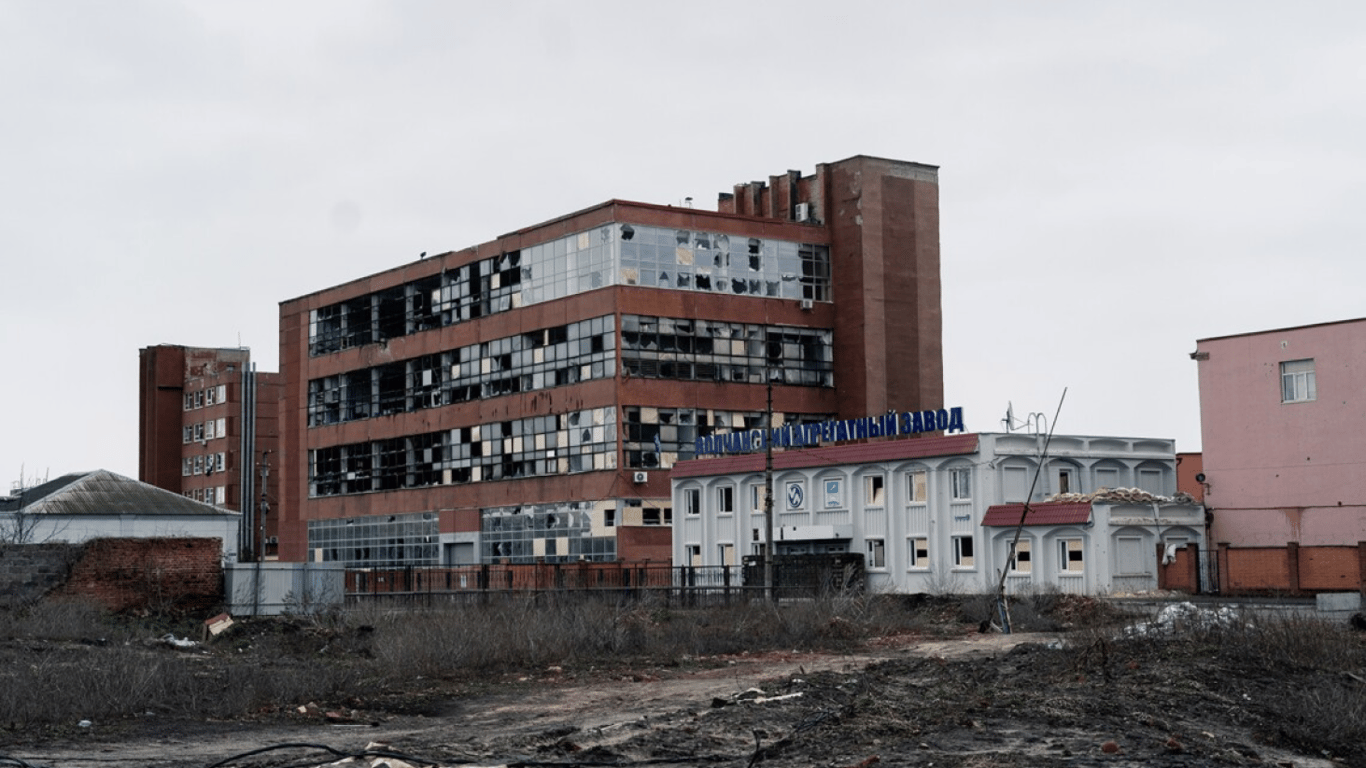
[692,502]
[875,553]
[964,557]
[912,498]
[1299,386]
[914,560]
[1025,546]
[1065,558]
[725,499]
[960,476]
[875,490]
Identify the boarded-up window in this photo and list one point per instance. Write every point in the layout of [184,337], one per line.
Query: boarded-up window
[1129,555]
[918,551]
[1070,557]
[1022,561]
[727,553]
[1016,482]
[915,486]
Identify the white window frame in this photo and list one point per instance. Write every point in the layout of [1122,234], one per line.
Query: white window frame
[725,500]
[725,553]
[692,502]
[219,461]
[917,493]
[960,483]
[964,553]
[1299,384]
[1025,547]
[875,490]
[1067,546]
[692,554]
[914,559]
[875,549]
[209,430]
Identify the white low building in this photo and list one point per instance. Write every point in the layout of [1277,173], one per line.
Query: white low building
[940,514]
[91,505]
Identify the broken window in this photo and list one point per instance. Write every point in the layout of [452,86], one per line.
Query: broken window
[876,553]
[960,483]
[873,490]
[1021,559]
[918,552]
[963,552]
[1070,557]
[693,555]
[915,486]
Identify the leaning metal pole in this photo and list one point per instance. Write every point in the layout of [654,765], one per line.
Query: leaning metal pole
[770,591]
[1002,607]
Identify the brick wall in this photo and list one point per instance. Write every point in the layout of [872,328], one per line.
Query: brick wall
[177,575]
[30,571]
[1292,568]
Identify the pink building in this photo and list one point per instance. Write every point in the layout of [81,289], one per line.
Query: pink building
[1283,421]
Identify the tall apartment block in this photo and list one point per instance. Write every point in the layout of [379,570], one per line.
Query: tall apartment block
[206,420]
[522,400]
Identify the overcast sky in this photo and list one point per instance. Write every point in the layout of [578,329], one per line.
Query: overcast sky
[1117,180]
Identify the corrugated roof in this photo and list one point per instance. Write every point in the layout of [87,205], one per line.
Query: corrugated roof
[105,493]
[859,453]
[1045,513]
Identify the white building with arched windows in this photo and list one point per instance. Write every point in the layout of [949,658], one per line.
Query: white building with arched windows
[940,514]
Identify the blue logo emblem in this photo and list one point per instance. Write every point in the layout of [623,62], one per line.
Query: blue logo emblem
[794,496]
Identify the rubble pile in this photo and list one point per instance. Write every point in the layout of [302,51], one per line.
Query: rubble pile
[1122,496]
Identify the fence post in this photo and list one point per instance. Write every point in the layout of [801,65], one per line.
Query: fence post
[1292,565]
[1361,567]
[725,583]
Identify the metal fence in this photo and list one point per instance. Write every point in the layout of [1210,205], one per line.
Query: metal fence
[685,585]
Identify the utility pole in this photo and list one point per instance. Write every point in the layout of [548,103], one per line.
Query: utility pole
[770,591]
[265,507]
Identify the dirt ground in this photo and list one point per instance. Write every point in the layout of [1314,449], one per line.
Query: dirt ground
[1025,699]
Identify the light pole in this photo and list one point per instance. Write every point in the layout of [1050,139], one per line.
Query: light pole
[769,588]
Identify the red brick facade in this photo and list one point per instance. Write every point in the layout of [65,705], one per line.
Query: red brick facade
[159,575]
[879,219]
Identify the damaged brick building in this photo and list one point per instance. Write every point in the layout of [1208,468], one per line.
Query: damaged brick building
[523,399]
[205,419]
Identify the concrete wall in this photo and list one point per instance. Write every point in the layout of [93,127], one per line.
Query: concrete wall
[30,571]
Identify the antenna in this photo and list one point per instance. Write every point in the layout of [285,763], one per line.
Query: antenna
[1002,609]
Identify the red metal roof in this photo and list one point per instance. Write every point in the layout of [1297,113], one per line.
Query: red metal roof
[1046,513]
[835,455]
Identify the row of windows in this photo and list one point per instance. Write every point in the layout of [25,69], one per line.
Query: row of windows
[832,493]
[204,430]
[677,348]
[659,437]
[203,465]
[579,441]
[217,495]
[1069,552]
[690,260]
[376,542]
[609,255]
[549,357]
[554,533]
[206,397]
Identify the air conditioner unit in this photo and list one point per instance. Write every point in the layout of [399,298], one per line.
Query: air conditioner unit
[808,304]
[273,540]
[803,211]
[640,477]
